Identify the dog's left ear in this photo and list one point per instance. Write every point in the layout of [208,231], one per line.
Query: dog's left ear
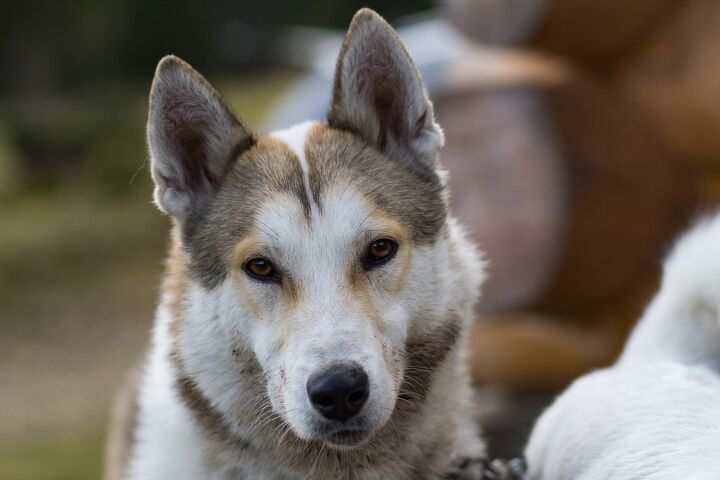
[378,93]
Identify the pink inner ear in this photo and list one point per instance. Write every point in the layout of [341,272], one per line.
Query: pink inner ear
[384,80]
[193,154]
[184,133]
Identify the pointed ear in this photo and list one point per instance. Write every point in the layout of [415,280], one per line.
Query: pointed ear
[193,137]
[378,92]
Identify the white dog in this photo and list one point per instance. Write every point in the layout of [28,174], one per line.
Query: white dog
[312,319]
[655,414]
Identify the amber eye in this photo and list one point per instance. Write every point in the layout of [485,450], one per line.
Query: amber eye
[379,252]
[261,269]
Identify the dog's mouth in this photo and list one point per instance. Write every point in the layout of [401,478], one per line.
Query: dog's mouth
[346,438]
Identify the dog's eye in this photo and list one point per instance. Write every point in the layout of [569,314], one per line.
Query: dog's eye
[261,269]
[379,252]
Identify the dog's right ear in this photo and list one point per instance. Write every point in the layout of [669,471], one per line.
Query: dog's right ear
[193,137]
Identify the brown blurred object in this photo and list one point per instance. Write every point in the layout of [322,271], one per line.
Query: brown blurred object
[518,220]
[497,22]
[627,194]
[583,180]
[587,31]
[574,200]
[596,31]
[675,76]
[659,54]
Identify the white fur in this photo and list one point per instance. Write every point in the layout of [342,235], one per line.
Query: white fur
[165,437]
[294,137]
[655,414]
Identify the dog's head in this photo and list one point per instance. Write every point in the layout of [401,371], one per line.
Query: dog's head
[316,253]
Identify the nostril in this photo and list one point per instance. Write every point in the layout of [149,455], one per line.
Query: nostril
[339,392]
[358,396]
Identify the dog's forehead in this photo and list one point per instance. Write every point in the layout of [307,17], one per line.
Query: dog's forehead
[333,160]
[345,214]
[305,171]
[331,213]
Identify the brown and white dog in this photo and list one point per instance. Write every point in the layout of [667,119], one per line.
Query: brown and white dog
[312,319]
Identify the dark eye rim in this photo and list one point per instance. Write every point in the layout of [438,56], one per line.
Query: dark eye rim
[273,277]
[370,263]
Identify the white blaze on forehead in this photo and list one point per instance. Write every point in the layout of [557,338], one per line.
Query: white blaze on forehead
[330,237]
[295,138]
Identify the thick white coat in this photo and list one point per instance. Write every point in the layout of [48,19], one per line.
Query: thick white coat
[655,414]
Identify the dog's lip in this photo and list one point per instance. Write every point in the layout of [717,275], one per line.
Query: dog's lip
[346,437]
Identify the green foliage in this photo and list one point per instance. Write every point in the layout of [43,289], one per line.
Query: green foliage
[96,138]
[69,456]
[48,46]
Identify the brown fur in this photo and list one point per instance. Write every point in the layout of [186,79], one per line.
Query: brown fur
[416,201]
[175,280]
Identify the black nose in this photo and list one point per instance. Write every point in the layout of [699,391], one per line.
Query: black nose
[339,392]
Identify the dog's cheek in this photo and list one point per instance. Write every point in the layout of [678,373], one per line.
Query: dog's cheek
[388,284]
[263,322]
[265,345]
[260,300]
[392,349]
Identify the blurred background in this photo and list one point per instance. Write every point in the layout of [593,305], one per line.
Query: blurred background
[582,135]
